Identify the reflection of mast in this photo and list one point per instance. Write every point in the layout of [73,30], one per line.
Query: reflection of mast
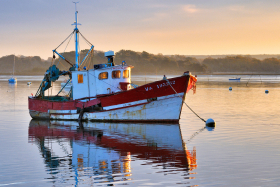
[83,143]
[50,160]
[189,155]
[14,65]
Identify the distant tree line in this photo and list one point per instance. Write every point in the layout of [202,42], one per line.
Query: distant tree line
[242,64]
[145,63]
[23,65]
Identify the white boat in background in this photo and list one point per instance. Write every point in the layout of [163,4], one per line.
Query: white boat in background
[13,79]
[66,85]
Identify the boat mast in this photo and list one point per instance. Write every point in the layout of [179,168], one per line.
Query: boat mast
[14,65]
[76,36]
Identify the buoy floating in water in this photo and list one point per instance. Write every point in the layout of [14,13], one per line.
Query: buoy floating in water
[230,88]
[266,91]
[210,122]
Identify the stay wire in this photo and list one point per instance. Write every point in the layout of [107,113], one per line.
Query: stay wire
[185,102]
[65,50]
[85,39]
[79,51]
[65,39]
[85,61]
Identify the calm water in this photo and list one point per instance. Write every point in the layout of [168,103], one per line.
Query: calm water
[243,149]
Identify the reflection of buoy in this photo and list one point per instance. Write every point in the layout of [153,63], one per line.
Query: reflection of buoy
[266,91]
[210,123]
[210,128]
[230,88]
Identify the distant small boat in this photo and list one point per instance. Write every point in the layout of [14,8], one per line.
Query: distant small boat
[13,79]
[236,79]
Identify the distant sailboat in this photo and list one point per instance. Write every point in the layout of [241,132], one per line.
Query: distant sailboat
[13,79]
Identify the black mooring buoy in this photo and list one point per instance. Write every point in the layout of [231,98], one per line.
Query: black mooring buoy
[210,122]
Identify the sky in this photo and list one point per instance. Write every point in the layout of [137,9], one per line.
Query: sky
[184,27]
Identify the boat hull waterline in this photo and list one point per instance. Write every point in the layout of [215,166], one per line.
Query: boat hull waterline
[153,102]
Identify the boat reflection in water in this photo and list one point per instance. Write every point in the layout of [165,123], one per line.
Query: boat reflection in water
[104,152]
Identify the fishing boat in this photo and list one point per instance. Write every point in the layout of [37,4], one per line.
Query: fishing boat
[106,93]
[13,79]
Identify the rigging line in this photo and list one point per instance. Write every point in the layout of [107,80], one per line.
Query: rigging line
[63,147]
[249,79]
[91,59]
[85,38]
[87,42]
[99,55]
[105,82]
[85,61]
[184,101]
[79,52]
[65,39]
[65,49]
[63,87]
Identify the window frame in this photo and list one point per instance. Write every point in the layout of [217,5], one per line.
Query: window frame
[127,74]
[119,74]
[102,73]
[80,78]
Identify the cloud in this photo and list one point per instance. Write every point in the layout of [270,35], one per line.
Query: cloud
[190,8]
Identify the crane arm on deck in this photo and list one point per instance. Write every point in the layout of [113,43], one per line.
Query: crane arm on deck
[63,57]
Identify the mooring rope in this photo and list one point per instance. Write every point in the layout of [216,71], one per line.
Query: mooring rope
[185,102]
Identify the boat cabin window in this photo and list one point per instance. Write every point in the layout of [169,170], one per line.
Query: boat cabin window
[80,78]
[116,74]
[103,75]
[125,73]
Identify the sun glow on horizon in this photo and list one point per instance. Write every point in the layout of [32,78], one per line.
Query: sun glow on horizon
[201,28]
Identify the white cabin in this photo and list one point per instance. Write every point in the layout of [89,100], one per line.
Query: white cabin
[89,83]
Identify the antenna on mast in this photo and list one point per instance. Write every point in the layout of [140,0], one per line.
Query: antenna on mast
[76,35]
[76,14]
